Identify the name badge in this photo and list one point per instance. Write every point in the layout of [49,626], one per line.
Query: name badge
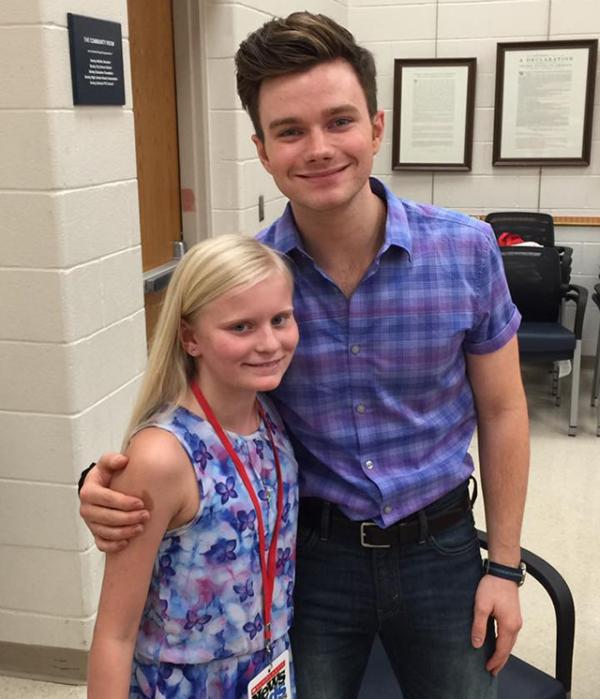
[274,681]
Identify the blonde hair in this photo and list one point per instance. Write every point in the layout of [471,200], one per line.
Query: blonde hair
[208,270]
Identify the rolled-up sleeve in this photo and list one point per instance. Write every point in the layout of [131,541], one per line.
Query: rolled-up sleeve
[497,317]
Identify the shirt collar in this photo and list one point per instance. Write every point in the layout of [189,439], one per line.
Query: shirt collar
[397,231]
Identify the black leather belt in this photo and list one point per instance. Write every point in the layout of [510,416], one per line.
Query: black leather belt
[333,523]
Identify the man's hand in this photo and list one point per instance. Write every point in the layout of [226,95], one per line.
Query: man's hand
[113,518]
[499,599]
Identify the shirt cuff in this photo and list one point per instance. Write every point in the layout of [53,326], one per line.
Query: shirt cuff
[501,339]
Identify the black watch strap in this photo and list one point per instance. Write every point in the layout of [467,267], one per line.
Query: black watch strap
[499,570]
[84,473]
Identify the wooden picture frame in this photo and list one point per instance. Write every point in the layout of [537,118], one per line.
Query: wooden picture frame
[434,101]
[544,102]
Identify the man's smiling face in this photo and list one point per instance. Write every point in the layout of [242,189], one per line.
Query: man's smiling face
[319,140]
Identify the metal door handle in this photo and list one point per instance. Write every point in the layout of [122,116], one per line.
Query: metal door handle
[157,279]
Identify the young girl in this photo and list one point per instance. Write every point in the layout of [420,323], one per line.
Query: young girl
[200,603]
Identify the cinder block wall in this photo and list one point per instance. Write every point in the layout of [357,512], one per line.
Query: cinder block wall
[72,338]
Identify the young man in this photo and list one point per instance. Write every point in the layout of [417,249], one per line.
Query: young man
[408,341]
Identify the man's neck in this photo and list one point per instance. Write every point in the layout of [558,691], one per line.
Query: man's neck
[344,242]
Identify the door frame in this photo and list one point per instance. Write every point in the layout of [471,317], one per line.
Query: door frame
[191,78]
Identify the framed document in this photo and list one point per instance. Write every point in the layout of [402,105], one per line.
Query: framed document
[544,102]
[433,113]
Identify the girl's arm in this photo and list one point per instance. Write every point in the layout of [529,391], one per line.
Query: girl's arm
[159,473]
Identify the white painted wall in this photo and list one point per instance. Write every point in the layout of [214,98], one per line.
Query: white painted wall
[72,336]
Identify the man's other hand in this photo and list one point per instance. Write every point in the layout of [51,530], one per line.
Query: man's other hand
[498,599]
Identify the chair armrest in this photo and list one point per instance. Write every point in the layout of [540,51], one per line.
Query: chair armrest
[579,294]
[566,263]
[564,609]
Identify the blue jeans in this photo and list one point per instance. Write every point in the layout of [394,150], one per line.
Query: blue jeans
[417,597]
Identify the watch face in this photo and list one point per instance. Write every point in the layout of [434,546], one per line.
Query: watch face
[523,568]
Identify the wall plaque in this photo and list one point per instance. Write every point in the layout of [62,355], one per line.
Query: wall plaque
[96,61]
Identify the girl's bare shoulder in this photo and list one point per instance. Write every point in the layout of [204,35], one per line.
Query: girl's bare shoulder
[156,459]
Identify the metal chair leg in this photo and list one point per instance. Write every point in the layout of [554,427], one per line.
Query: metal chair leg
[596,379]
[575,389]
[558,385]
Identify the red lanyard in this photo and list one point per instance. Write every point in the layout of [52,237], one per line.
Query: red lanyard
[268,563]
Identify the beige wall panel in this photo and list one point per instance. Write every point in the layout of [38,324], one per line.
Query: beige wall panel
[416,186]
[485,193]
[62,150]
[54,12]
[376,3]
[493,19]
[69,442]
[231,134]
[338,9]
[227,26]
[72,376]
[50,581]
[222,92]
[482,162]
[41,515]
[63,229]
[48,457]
[580,17]
[576,196]
[48,305]
[55,306]
[393,23]
[46,629]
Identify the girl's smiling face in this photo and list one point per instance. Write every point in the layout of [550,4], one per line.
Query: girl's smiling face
[244,340]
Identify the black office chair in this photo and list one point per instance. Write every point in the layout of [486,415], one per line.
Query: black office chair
[536,287]
[532,227]
[596,379]
[518,679]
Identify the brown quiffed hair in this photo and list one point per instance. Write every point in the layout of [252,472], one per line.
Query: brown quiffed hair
[295,44]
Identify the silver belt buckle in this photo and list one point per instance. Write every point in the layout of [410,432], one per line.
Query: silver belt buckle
[363,535]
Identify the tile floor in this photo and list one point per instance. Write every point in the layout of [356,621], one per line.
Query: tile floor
[562,524]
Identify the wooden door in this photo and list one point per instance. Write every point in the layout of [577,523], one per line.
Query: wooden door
[155,117]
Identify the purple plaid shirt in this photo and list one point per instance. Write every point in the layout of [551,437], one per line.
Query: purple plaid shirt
[377,399]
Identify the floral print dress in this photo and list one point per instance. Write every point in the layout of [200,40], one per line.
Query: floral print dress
[201,633]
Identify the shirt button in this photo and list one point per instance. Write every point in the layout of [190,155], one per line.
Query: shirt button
[369,464]
[387,509]
[355,349]
[360,408]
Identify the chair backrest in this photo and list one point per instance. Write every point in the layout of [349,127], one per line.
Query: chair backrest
[531,226]
[534,280]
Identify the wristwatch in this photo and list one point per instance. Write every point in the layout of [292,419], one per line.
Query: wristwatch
[83,476]
[506,572]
